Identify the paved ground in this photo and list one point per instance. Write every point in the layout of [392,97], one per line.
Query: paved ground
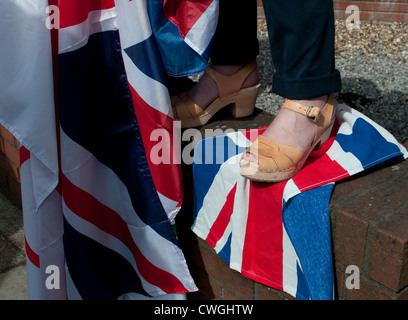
[13,277]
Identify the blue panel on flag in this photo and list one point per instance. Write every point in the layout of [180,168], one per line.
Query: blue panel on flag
[209,154]
[225,253]
[307,223]
[98,272]
[151,64]
[302,291]
[179,58]
[362,133]
[96,111]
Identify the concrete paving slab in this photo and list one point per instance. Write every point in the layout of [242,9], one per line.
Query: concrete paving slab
[13,275]
[13,284]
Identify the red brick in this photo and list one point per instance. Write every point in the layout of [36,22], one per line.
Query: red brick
[10,169]
[388,0]
[339,279]
[210,262]
[267,293]
[12,153]
[387,10]
[350,239]
[393,17]
[15,189]
[228,295]
[7,135]
[400,7]
[261,12]
[346,188]
[378,7]
[370,290]
[339,14]
[366,15]
[208,287]
[342,5]
[388,261]
[375,202]
[3,181]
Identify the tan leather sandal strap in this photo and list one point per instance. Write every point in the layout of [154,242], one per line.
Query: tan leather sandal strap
[230,85]
[312,113]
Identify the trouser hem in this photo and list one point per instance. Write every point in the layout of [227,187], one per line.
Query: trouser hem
[306,88]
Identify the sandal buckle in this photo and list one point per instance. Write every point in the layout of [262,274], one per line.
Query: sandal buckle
[312,118]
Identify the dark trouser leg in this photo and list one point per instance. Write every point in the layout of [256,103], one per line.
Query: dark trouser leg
[236,39]
[301,36]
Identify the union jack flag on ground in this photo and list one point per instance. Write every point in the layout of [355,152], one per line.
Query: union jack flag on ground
[83,99]
[279,234]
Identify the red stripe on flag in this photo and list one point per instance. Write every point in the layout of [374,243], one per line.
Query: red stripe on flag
[166,176]
[319,169]
[318,173]
[220,224]
[73,12]
[252,134]
[87,207]
[263,248]
[31,255]
[185,14]
[24,155]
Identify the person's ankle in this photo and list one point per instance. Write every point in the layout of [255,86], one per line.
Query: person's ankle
[206,90]
[319,101]
[228,70]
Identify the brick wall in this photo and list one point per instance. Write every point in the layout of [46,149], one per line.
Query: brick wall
[382,10]
[10,166]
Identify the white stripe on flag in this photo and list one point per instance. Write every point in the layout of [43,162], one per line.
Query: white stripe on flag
[75,37]
[196,38]
[26,82]
[43,230]
[289,261]
[170,206]
[291,190]
[145,86]
[133,20]
[347,160]
[239,139]
[216,196]
[117,198]
[93,232]
[224,238]
[239,221]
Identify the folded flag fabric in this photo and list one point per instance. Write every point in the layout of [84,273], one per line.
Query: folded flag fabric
[279,234]
[83,99]
[184,30]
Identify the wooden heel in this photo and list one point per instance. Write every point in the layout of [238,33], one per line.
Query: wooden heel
[245,102]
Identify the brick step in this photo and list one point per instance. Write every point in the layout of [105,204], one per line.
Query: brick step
[369,221]
[369,215]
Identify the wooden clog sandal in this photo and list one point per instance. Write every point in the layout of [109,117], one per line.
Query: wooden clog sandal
[240,100]
[278,162]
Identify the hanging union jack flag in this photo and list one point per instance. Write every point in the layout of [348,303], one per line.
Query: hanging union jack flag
[278,234]
[83,99]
